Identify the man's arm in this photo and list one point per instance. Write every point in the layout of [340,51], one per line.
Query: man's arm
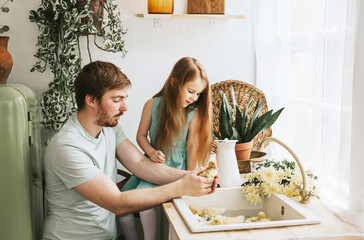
[141,166]
[102,191]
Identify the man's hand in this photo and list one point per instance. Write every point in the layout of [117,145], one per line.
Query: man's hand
[194,185]
[214,185]
[157,156]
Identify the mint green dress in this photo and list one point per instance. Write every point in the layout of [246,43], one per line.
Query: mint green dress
[177,157]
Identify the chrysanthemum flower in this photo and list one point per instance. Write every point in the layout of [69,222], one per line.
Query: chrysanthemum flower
[253,198]
[268,174]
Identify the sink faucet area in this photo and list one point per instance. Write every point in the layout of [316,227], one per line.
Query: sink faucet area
[305,192]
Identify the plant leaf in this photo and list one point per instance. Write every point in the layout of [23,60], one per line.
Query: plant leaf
[217,135]
[235,135]
[245,116]
[225,118]
[273,118]
[258,108]
[244,122]
[264,122]
[259,125]
[238,117]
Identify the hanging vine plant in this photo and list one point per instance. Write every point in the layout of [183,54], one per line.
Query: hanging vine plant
[61,24]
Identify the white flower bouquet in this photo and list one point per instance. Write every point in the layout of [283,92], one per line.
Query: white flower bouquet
[275,177]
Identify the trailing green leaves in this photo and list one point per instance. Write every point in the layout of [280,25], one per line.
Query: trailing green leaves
[60,23]
[243,130]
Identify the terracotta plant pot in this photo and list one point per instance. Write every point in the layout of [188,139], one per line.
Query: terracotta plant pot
[243,150]
[6,61]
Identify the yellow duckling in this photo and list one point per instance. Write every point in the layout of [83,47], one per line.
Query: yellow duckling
[195,210]
[211,170]
[218,220]
[213,211]
[261,215]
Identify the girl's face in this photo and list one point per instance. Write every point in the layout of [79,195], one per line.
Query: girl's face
[191,91]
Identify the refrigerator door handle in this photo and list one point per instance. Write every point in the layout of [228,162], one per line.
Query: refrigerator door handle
[30,129]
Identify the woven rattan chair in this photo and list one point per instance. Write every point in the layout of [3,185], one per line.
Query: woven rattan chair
[241,91]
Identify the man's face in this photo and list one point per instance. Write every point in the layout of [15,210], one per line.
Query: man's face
[111,106]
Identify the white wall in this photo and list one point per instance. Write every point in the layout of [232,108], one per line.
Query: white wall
[222,46]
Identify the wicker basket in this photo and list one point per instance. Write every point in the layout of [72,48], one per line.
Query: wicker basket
[241,91]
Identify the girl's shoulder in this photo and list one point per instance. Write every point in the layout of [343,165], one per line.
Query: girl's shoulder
[153,103]
[149,102]
[148,106]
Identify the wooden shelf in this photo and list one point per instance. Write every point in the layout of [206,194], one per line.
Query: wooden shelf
[207,16]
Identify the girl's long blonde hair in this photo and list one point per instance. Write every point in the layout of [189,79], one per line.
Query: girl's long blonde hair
[173,117]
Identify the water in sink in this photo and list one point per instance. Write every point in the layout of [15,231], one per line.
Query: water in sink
[247,213]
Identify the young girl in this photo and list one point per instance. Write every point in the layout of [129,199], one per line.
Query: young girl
[177,120]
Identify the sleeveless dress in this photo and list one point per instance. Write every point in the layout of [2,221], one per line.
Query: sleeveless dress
[177,157]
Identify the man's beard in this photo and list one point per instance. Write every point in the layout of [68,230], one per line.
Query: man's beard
[106,121]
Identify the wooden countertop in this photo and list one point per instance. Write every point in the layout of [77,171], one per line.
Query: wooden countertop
[331,227]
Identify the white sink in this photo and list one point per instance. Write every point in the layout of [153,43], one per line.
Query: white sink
[283,211]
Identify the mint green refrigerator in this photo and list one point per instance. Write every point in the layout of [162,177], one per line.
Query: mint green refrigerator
[21,181]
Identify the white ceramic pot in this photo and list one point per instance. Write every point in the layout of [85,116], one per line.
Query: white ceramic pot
[226,163]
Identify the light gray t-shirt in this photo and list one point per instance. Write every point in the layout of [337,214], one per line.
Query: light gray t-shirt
[74,157]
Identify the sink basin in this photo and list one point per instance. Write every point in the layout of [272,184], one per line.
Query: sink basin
[281,209]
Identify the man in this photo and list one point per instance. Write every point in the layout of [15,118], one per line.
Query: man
[80,166]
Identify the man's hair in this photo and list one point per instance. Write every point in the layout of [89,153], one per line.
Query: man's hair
[96,78]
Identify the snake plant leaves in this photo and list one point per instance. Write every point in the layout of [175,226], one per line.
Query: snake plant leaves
[263,122]
[258,126]
[258,108]
[245,118]
[242,130]
[238,117]
[235,135]
[225,118]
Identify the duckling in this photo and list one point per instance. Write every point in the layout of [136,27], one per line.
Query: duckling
[261,215]
[262,218]
[213,211]
[218,220]
[211,170]
[195,210]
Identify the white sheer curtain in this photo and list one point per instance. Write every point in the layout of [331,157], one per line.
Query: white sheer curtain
[304,62]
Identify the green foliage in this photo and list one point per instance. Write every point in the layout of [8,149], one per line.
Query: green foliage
[243,130]
[61,24]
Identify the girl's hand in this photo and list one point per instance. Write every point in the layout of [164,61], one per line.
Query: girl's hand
[157,156]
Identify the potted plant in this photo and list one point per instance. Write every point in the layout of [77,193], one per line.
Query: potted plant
[61,24]
[6,60]
[243,129]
